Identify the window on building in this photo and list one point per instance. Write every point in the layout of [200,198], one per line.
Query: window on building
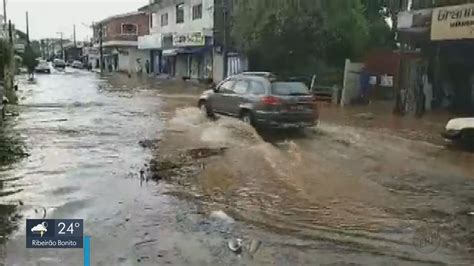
[164,20]
[197,11]
[129,29]
[180,13]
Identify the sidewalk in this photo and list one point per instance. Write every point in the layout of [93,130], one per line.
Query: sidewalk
[378,116]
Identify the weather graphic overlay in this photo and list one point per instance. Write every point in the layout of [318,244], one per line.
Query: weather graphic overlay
[49,233]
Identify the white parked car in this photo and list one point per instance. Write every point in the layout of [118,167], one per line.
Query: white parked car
[43,67]
[59,63]
[460,129]
[77,64]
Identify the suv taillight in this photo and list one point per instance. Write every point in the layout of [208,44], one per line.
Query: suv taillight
[270,100]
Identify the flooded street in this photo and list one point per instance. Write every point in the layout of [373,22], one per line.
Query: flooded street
[152,178]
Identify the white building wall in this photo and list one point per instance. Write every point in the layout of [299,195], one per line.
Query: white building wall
[123,62]
[206,23]
[127,63]
[133,55]
[351,81]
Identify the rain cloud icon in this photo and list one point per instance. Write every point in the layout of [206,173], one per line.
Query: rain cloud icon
[40,228]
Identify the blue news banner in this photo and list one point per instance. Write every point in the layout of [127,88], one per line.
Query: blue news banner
[58,233]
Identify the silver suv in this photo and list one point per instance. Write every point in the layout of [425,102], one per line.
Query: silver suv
[262,101]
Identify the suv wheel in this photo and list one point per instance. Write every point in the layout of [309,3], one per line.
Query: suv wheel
[204,108]
[246,117]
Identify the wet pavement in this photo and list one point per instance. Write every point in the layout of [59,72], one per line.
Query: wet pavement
[148,172]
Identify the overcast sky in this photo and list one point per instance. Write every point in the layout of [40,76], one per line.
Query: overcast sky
[47,17]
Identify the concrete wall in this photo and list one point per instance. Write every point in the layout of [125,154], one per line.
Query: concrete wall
[206,23]
[124,62]
[217,67]
[351,81]
[127,62]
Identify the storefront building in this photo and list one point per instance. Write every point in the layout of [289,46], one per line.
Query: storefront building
[120,35]
[183,42]
[188,55]
[443,73]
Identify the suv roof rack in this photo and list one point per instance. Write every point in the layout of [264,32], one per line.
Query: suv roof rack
[258,73]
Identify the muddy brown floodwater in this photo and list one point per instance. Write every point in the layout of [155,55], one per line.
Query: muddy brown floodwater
[155,182]
[359,188]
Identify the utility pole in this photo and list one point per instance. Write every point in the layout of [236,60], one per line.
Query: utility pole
[27,29]
[61,43]
[101,50]
[74,35]
[5,12]
[47,49]
[42,49]
[225,9]
[10,32]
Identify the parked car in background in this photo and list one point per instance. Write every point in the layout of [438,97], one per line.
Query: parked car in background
[323,94]
[59,63]
[460,130]
[43,67]
[77,64]
[262,101]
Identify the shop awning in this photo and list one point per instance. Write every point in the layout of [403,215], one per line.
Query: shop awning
[187,50]
[170,52]
[193,50]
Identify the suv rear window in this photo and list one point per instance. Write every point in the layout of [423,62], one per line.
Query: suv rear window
[256,87]
[289,88]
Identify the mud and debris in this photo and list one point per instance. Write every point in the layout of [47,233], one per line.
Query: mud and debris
[149,143]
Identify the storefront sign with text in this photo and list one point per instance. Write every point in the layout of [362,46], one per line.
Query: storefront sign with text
[453,23]
[189,39]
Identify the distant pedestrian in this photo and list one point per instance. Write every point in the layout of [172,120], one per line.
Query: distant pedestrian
[147,66]
[138,67]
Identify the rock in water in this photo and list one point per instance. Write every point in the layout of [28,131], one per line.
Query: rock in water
[253,246]
[235,245]
[220,215]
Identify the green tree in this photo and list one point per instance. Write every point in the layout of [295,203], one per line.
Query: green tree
[378,13]
[5,56]
[348,30]
[304,36]
[281,36]
[30,59]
